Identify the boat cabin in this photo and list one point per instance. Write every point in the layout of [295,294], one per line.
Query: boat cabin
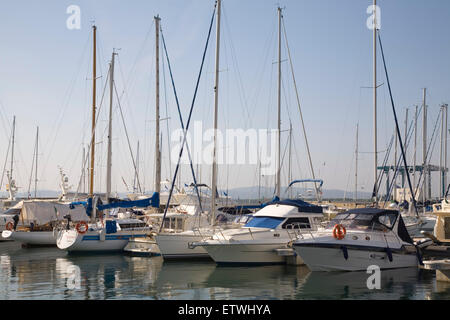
[442,226]
[287,214]
[372,220]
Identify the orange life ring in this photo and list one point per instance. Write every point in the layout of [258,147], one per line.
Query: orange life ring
[339,232]
[82,227]
[9,226]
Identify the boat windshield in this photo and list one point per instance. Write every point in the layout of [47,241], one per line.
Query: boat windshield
[364,221]
[264,222]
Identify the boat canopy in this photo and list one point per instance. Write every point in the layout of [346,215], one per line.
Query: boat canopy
[285,208]
[302,206]
[42,212]
[372,219]
[142,203]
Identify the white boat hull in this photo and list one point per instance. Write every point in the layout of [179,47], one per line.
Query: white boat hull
[332,259]
[36,238]
[142,247]
[234,253]
[94,241]
[176,245]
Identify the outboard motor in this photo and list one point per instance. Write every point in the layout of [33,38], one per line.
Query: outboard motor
[69,219]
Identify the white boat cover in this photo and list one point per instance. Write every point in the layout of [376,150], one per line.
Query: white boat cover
[42,212]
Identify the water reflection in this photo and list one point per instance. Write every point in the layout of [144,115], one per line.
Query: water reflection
[46,273]
[262,282]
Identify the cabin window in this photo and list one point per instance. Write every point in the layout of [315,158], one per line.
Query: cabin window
[388,219]
[447,227]
[264,222]
[132,225]
[179,223]
[297,223]
[353,221]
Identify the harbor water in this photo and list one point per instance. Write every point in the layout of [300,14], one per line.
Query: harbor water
[49,273]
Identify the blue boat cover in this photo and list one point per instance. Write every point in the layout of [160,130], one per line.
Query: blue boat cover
[111,226]
[143,203]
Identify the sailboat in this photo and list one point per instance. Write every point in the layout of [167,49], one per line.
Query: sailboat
[103,233]
[175,245]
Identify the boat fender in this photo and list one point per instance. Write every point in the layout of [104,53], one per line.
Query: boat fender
[9,226]
[339,232]
[345,252]
[389,254]
[82,227]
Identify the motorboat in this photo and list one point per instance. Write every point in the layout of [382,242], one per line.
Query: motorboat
[104,234]
[271,228]
[357,239]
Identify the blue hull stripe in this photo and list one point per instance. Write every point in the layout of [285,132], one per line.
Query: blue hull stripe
[113,237]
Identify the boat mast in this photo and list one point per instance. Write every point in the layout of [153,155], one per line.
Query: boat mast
[36,165]
[290,160]
[11,185]
[356,164]
[278,179]
[109,159]
[216,107]
[405,147]
[424,148]
[94,78]
[415,150]
[12,147]
[441,172]
[375,155]
[137,169]
[445,145]
[157,140]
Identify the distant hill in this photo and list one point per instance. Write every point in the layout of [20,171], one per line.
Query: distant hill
[235,193]
[252,193]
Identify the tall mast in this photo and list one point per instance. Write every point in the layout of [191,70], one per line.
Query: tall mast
[157,140]
[415,150]
[94,79]
[424,147]
[445,145]
[36,165]
[278,178]
[83,170]
[11,183]
[216,107]
[109,159]
[137,169]
[12,147]
[375,154]
[290,160]
[394,197]
[356,164]
[405,147]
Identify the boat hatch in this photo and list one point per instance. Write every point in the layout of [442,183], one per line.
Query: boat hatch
[264,222]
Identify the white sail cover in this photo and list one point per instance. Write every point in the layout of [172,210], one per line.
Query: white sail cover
[42,212]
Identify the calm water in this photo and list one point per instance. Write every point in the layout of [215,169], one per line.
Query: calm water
[43,274]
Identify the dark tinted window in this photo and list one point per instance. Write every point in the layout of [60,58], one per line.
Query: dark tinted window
[297,223]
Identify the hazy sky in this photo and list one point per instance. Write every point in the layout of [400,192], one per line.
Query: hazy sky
[45,80]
